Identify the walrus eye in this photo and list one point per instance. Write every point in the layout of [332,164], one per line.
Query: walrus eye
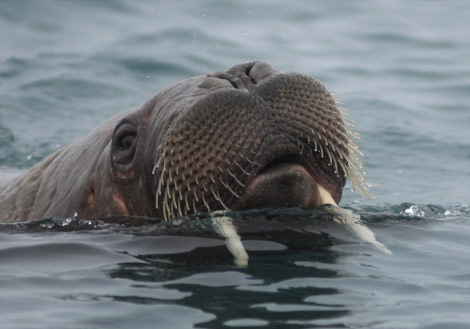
[124,143]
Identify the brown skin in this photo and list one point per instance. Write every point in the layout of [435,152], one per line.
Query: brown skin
[248,137]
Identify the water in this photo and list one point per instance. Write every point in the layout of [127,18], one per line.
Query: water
[400,68]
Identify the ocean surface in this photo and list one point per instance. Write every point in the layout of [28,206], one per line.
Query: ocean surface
[400,68]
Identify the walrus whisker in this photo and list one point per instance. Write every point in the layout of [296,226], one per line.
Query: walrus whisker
[195,196]
[349,131]
[228,188]
[159,188]
[335,151]
[219,199]
[344,168]
[167,192]
[159,185]
[157,194]
[186,202]
[205,203]
[356,148]
[241,168]
[166,209]
[175,184]
[172,213]
[155,168]
[212,178]
[348,153]
[347,122]
[252,162]
[355,161]
[336,165]
[235,178]
[172,206]
[180,194]
[157,165]
[330,161]
[170,178]
[180,213]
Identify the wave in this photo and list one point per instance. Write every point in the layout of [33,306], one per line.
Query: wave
[292,227]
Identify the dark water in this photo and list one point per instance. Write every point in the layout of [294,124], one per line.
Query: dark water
[400,68]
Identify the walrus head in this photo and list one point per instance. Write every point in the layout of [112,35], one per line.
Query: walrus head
[249,137]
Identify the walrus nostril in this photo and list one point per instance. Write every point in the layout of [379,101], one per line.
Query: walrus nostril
[235,81]
[249,67]
[248,70]
[259,71]
[246,76]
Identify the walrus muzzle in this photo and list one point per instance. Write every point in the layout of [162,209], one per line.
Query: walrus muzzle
[260,138]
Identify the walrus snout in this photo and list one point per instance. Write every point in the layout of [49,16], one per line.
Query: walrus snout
[221,150]
[244,76]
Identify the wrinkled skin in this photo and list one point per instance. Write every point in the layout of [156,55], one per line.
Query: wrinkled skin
[248,137]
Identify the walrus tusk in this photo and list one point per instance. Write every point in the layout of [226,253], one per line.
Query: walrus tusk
[325,196]
[356,227]
[225,228]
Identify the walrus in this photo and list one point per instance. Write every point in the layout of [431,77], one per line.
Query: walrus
[249,137]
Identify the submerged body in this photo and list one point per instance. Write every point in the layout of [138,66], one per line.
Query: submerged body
[248,137]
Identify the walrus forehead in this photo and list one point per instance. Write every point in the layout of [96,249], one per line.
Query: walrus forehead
[179,97]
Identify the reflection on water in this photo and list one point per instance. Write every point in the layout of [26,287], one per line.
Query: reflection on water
[282,268]
[278,223]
